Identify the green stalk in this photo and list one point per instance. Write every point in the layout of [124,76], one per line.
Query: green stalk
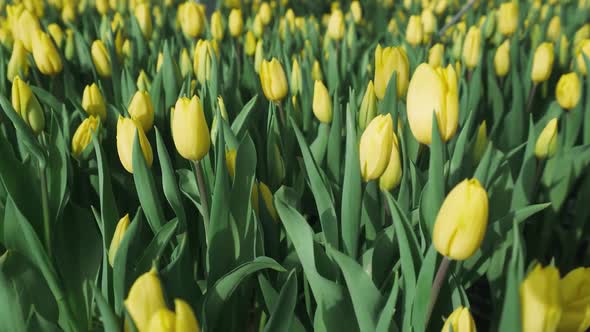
[203,196]
[45,207]
[441,276]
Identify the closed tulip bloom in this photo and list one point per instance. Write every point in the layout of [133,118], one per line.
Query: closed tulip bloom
[258,56]
[46,57]
[141,110]
[428,22]
[502,59]
[388,60]
[542,63]
[433,90]
[336,26]
[216,25]
[126,129]
[564,51]
[250,43]
[357,11]
[83,135]
[508,18]
[581,34]
[546,144]
[70,46]
[267,200]
[230,162]
[368,108]
[189,129]
[322,103]
[273,80]
[436,54]
[185,317]
[460,320]
[159,61]
[392,175]
[462,220]
[236,23]
[27,106]
[265,13]
[415,31]
[18,64]
[186,65]
[583,50]
[93,102]
[204,52]
[191,18]
[316,71]
[540,302]
[68,13]
[472,47]
[25,28]
[56,33]
[101,59]
[120,230]
[257,26]
[145,298]
[568,91]
[574,289]
[296,82]
[375,147]
[144,19]
[554,29]
[143,82]
[163,320]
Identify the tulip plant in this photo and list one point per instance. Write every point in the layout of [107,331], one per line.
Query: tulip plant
[275,165]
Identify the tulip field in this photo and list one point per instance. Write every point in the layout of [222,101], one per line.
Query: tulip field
[295,165]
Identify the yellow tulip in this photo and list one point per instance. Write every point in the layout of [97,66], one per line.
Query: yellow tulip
[143,82]
[375,147]
[126,129]
[83,135]
[250,43]
[502,59]
[296,82]
[265,13]
[540,303]
[546,144]
[258,56]
[580,35]
[336,26]
[145,298]
[428,23]
[433,90]
[101,59]
[120,230]
[102,6]
[554,29]
[202,62]
[316,71]
[462,220]
[27,106]
[230,162]
[18,64]
[185,318]
[189,129]
[471,47]
[68,13]
[191,18]
[141,110]
[268,201]
[163,320]
[415,31]
[564,51]
[322,103]
[236,23]
[257,26]
[56,33]
[460,320]
[70,47]
[25,29]
[568,91]
[273,80]
[368,107]
[216,25]
[144,19]
[159,61]
[357,11]
[542,63]
[387,61]
[186,66]
[574,289]
[583,50]
[46,57]
[508,18]
[436,54]
[392,175]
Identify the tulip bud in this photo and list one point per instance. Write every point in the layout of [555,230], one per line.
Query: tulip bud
[236,24]
[25,29]
[296,83]
[435,55]
[93,102]
[336,26]
[143,82]
[392,27]
[46,56]
[189,129]
[428,22]
[83,135]
[126,129]
[273,80]
[453,236]
[368,108]
[357,11]
[583,50]
[568,91]
[70,47]
[56,33]
[564,51]
[204,52]
[460,320]
[101,59]
[230,162]
[216,25]
[258,56]
[574,289]
[489,25]
[117,238]
[257,26]
[392,175]
[508,18]
[316,71]
[580,35]
[481,142]
[145,298]
[540,303]
[141,110]
[414,31]
[546,144]
[250,44]
[542,63]
[502,59]
[185,318]
[265,13]
[162,320]
[27,105]
[68,13]
[18,64]
[536,36]
[388,60]
[375,147]
[267,199]
[433,90]
[554,29]
[159,61]
[322,103]
[471,47]
[144,19]
[191,18]
[186,66]
[102,6]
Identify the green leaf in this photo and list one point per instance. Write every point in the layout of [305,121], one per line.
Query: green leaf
[423,288]
[47,98]
[271,298]
[386,322]
[37,322]
[335,142]
[108,317]
[510,318]
[434,190]
[283,312]
[238,126]
[156,247]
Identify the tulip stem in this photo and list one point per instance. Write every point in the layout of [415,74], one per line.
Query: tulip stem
[203,196]
[456,18]
[282,114]
[439,279]
[45,208]
[529,102]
